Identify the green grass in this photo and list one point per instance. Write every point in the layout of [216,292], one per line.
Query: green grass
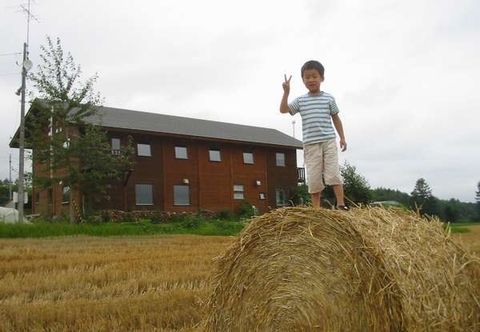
[465,224]
[51,229]
[462,227]
[41,229]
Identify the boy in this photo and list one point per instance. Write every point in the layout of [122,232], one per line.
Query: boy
[318,110]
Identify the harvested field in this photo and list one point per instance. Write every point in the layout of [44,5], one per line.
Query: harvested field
[300,269]
[157,283]
[105,284]
[470,240]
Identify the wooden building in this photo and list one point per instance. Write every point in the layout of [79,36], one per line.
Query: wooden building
[186,165]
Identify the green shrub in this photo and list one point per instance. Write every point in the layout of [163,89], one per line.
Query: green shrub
[113,215]
[191,223]
[179,217]
[225,215]
[245,210]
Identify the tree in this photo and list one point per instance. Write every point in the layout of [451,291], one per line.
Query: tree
[355,186]
[421,192]
[5,191]
[300,195]
[73,153]
[452,210]
[477,193]
[477,199]
[386,194]
[422,198]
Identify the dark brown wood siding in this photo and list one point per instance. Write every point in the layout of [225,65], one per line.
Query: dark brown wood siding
[215,178]
[281,177]
[211,183]
[147,170]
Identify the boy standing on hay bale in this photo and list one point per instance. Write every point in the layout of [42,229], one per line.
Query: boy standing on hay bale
[318,110]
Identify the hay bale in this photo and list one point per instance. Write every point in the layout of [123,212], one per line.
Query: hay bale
[300,269]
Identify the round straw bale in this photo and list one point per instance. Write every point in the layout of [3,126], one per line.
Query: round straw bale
[372,269]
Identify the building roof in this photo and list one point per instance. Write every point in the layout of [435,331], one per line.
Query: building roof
[155,123]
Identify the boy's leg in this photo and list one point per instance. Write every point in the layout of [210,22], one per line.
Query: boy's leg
[339,196]
[332,172]
[314,164]
[315,199]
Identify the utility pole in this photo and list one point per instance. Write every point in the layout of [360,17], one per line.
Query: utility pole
[26,65]
[10,177]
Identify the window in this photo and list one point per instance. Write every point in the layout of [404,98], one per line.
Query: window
[49,195]
[66,195]
[281,195]
[280,159]
[116,146]
[144,194]
[181,152]
[248,158]
[66,143]
[238,191]
[214,155]
[143,149]
[181,195]
[262,196]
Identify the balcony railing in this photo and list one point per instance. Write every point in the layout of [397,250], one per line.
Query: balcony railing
[301,174]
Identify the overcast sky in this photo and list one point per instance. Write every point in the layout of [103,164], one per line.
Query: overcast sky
[404,73]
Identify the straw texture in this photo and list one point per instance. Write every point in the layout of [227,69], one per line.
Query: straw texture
[372,269]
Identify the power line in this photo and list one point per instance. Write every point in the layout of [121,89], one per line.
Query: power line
[8,74]
[9,54]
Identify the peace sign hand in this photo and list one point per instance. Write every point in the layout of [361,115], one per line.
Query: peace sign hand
[286,84]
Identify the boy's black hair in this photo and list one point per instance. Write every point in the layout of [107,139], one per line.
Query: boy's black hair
[313,64]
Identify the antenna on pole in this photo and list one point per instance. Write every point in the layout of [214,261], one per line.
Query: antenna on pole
[293,125]
[26,10]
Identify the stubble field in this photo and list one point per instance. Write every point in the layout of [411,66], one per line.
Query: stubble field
[157,283]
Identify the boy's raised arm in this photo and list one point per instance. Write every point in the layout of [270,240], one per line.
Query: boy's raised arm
[286,91]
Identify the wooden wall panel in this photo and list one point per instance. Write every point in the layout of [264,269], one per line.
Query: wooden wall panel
[210,182]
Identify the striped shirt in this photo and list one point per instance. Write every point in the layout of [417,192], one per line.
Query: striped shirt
[316,111]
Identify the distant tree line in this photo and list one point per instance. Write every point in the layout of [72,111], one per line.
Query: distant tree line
[421,199]
[5,191]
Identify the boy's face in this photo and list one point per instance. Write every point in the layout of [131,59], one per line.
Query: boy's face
[312,80]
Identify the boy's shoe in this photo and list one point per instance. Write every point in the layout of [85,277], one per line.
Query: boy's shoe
[343,208]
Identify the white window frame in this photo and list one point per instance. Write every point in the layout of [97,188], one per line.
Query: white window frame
[238,191]
[66,143]
[181,201]
[116,143]
[144,200]
[144,150]
[280,159]
[248,158]
[181,152]
[279,192]
[66,194]
[214,155]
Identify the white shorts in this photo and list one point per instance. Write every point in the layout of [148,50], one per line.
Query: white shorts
[321,161]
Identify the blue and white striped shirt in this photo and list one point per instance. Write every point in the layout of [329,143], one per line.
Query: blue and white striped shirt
[316,111]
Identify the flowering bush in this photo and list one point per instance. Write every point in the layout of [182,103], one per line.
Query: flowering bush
[159,217]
